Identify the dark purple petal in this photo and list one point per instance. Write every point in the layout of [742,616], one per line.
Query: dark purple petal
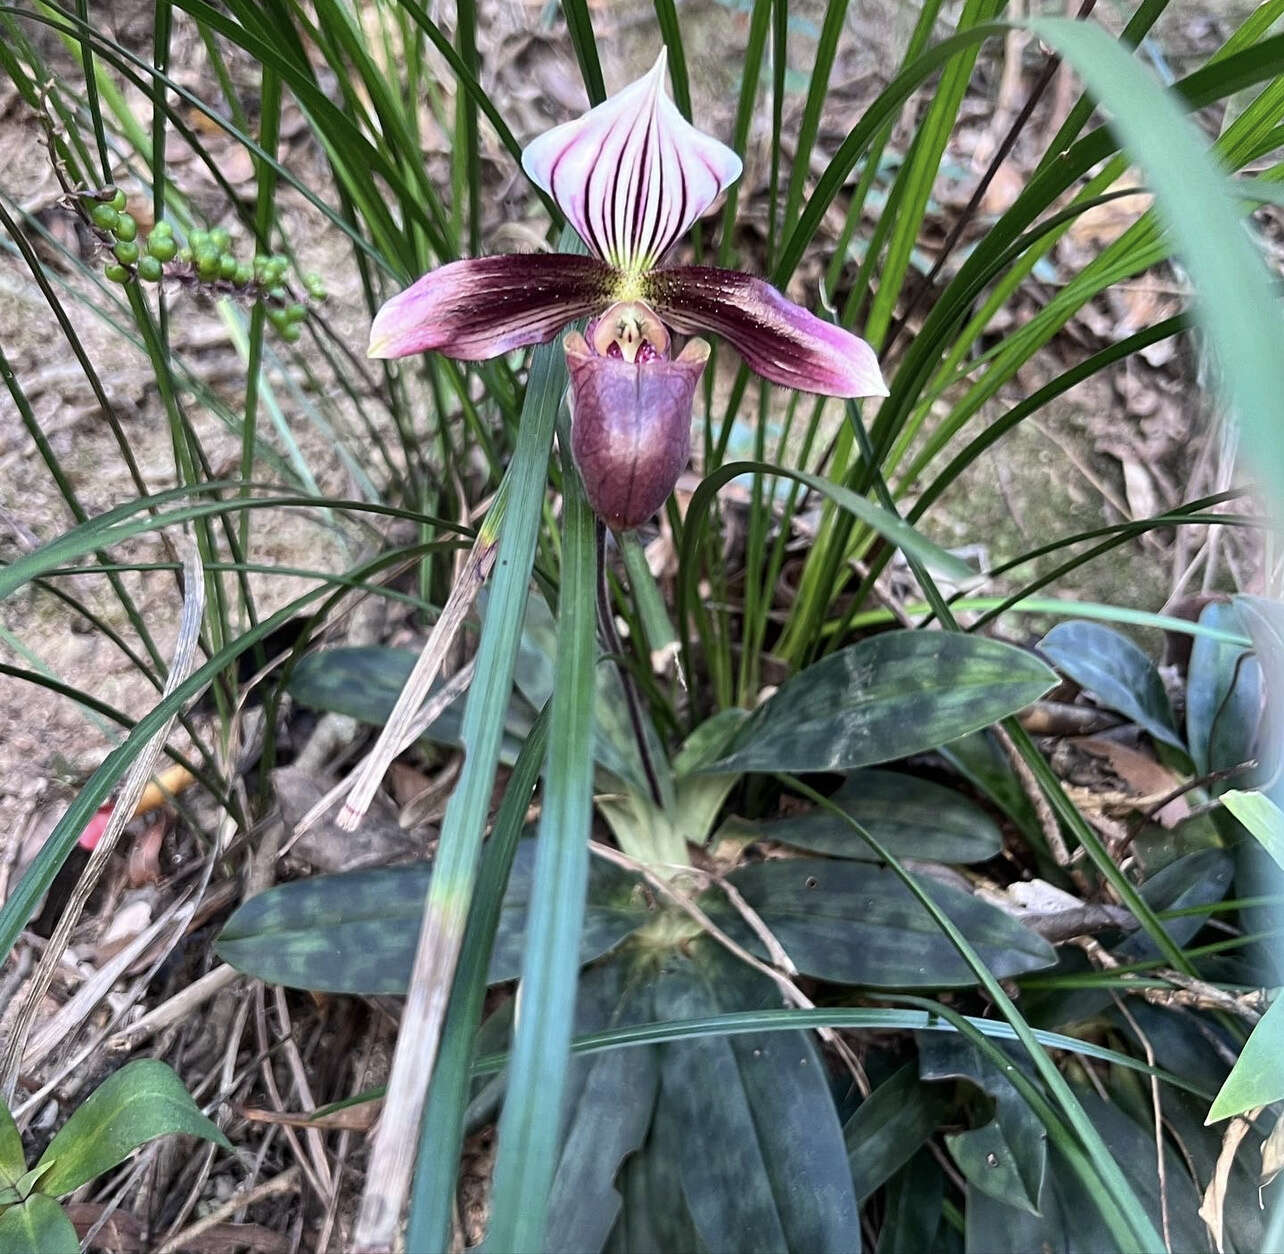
[633,174]
[631,427]
[778,339]
[477,309]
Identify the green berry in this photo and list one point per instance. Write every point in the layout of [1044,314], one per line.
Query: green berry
[163,228]
[227,266]
[296,312]
[278,295]
[244,275]
[126,252]
[290,333]
[118,201]
[116,273]
[207,265]
[185,256]
[198,240]
[104,217]
[126,227]
[220,239]
[150,269]
[162,247]
[315,285]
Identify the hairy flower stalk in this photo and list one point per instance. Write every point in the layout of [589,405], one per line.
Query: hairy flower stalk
[632,176]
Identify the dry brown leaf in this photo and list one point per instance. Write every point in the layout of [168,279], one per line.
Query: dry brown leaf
[1141,775]
[1214,1204]
[1272,1154]
[360,1118]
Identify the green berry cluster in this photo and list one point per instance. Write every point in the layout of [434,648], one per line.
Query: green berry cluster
[207,257]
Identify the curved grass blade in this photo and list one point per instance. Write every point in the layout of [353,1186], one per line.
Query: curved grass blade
[531,1121]
[450,893]
[1235,303]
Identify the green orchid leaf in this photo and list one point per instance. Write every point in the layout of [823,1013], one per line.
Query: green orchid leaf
[140,1102]
[914,818]
[1223,695]
[889,1126]
[895,694]
[1116,672]
[356,932]
[1261,816]
[854,923]
[754,1127]
[1256,1079]
[13,1161]
[37,1226]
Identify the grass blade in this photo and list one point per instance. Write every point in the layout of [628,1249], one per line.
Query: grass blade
[530,1125]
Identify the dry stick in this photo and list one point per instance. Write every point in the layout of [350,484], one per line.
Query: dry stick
[974,203]
[429,714]
[1158,1110]
[122,812]
[1042,806]
[176,1008]
[286,1182]
[365,780]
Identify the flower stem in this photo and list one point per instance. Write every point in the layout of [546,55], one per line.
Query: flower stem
[615,648]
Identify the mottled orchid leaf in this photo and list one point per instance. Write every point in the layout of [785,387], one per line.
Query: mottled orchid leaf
[1007,1155]
[356,932]
[1070,1222]
[912,817]
[912,1216]
[1197,879]
[894,694]
[486,306]
[854,923]
[1116,672]
[633,174]
[610,1097]
[654,1218]
[1223,696]
[756,1132]
[888,1127]
[779,340]
[364,681]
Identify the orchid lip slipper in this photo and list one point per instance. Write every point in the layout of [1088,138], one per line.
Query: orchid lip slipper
[632,175]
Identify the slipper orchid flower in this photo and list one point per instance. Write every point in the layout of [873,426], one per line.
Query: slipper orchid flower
[632,175]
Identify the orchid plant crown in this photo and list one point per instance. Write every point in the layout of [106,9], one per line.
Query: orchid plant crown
[632,175]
